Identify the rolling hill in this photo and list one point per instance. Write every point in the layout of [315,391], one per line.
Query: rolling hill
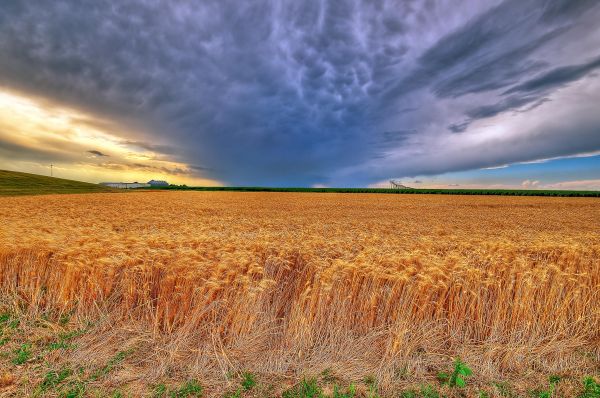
[16,183]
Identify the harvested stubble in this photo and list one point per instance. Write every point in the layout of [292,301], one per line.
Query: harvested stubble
[289,283]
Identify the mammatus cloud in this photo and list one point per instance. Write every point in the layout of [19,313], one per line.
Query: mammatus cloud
[342,92]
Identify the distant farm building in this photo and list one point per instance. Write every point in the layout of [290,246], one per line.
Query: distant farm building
[158,183]
[398,185]
[125,185]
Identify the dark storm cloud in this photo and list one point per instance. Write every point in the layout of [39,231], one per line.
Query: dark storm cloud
[290,93]
[555,78]
[508,103]
[547,141]
[487,53]
[199,168]
[532,93]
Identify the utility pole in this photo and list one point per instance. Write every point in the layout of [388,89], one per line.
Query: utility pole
[51,175]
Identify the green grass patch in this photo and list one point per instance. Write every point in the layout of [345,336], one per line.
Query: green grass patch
[504,389]
[22,354]
[190,388]
[305,389]
[547,392]
[53,379]
[159,391]
[60,345]
[591,388]
[502,192]
[350,392]
[14,183]
[4,318]
[75,389]
[248,381]
[63,341]
[426,391]
[112,364]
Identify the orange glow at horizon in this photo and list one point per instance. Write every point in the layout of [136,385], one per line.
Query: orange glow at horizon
[36,133]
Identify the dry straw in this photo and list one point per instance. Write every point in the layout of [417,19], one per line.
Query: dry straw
[285,284]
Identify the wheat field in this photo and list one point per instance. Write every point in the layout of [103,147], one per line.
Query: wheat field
[207,284]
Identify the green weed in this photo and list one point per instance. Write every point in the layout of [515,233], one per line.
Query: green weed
[22,354]
[504,389]
[591,388]
[236,394]
[63,340]
[547,393]
[7,320]
[76,390]
[114,362]
[14,324]
[349,393]
[429,392]
[327,375]
[190,388]
[458,376]
[248,381]
[159,391]
[371,383]
[64,319]
[426,391]
[409,394]
[60,345]
[53,379]
[306,389]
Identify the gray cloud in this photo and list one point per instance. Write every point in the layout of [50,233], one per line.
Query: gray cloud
[163,149]
[459,127]
[548,139]
[291,93]
[97,153]
[555,78]
[488,52]
[531,92]
[14,151]
[144,167]
[508,103]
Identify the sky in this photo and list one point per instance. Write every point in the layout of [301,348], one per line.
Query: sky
[432,93]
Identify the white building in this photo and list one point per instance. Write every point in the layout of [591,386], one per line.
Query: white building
[158,183]
[125,185]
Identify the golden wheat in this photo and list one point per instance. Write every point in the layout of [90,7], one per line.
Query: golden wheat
[293,283]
